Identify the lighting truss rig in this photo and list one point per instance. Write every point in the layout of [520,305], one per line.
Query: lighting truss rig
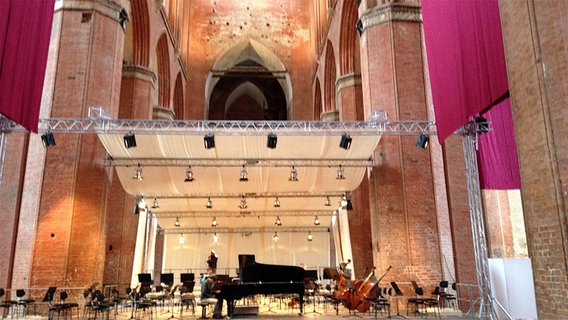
[233,214]
[243,230]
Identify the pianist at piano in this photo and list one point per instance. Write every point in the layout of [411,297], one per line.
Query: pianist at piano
[210,292]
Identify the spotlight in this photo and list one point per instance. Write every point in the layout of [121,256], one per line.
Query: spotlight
[422,141]
[189,175]
[47,139]
[271,141]
[276,203]
[214,222]
[209,204]
[345,142]
[209,141]
[278,222]
[155,205]
[243,204]
[215,237]
[293,174]
[327,202]
[310,237]
[349,205]
[482,124]
[275,236]
[129,140]
[138,173]
[316,221]
[340,173]
[244,175]
[177,224]
[181,239]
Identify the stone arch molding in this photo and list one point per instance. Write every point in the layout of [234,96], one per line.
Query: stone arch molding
[249,50]
[250,89]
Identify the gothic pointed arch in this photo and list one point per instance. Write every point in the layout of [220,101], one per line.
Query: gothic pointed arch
[248,71]
[317,101]
[140,33]
[349,52]
[163,62]
[178,98]
[329,78]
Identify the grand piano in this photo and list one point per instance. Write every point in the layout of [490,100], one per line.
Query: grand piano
[258,278]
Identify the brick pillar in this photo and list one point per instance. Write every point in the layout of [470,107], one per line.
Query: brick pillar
[404,226]
[138,84]
[86,50]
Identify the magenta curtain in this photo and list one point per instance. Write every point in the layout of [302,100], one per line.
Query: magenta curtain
[25,30]
[497,151]
[466,60]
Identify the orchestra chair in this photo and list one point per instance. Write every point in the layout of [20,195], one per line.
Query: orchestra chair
[382,301]
[6,305]
[24,302]
[187,298]
[417,301]
[447,298]
[67,307]
[100,306]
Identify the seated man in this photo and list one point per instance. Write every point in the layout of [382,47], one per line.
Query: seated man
[208,292]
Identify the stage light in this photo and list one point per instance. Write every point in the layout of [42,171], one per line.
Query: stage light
[215,237]
[189,175]
[327,202]
[155,205]
[349,205]
[310,237]
[209,141]
[47,139]
[209,204]
[214,222]
[138,173]
[181,239]
[345,142]
[293,174]
[244,175]
[243,204]
[129,140]
[275,236]
[271,141]
[177,223]
[276,203]
[278,222]
[316,221]
[340,173]
[422,141]
[482,125]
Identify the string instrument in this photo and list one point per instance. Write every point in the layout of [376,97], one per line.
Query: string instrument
[358,297]
[341,283]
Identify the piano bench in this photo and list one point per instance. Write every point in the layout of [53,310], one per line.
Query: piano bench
[204,303]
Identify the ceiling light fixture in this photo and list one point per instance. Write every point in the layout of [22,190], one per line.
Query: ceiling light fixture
[129,140]
[209,141]
[155,205]
[214,222]
[344,200]
[181,239]
[243,204]
[340,173]
[345,142]
[189,175]
[327,202]
[177,223]
[141,203]
[275,236]
[316,221]
[138,173]
[215,237]
[244,174]
[271,140]
[276,203]
[293,174]
[209,204]
[310,237]
[278,222]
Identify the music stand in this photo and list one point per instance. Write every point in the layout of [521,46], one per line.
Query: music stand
[310,285]
[398,295]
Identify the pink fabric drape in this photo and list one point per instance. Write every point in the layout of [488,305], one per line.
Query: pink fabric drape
[497,153]
[466,60]
[25,30]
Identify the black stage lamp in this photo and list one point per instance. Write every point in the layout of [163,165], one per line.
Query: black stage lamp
[47,139]
[209,141]
[422,141]
[271,141]
[345,142]
[129,140]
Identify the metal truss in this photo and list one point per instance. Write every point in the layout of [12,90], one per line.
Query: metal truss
[177,162]
[100,122]
[251,195]
[233,214]
[469,138]
[244,231]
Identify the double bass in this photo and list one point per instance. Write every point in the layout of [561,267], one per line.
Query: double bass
[357,297]
[341,285]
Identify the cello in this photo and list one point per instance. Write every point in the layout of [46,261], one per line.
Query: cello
[358,297]
[342,283]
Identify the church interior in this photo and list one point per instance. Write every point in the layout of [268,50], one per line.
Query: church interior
[381,142]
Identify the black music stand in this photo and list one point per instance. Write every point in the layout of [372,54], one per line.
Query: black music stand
[310,285]
[398,295]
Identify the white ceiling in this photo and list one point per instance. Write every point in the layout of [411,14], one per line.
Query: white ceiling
[300,201]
